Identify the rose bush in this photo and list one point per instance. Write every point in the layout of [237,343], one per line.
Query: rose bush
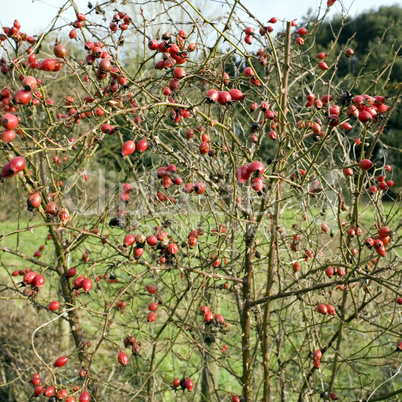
[209,211]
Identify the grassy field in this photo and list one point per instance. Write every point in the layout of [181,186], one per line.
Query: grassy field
[29,241]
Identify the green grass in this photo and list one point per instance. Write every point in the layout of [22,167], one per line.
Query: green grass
[26,242]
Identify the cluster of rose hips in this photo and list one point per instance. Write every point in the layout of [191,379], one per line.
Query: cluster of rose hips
[78,23]
[176,114]
[326,309]
[14,33]
[80,282]
[39,389]
[160,241]
[74,116]
[220,230]
[18,37]
[36,281]
[210,318]
[205,145]
[120,20]
[216,262]
[169,175]
[105,66]
[135,347]
[58,161]
[322,56]
[249,73]
[379,243]
[263,56]
[269,115]
[38,253]
[160,197]
[322,65]
[366,164]
[308,254]
[294,246]
[255,171]
[23,96]
[125,195]
[330,271]
[51,65]
[173,53]
[52,210]
[249,31]
[245,172]
[168,248]
[48,65]
[112,279]
[61,394]
[20,272]
[36,382]
[85,256]
[300,39]
[169,172]
[382,184]
[316,356]
[120,305]
[198,188]
[301,32]
[152,307]
[7,104]
[224,97]
[364,107]
[193,236]
[32,278]
[184,383]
